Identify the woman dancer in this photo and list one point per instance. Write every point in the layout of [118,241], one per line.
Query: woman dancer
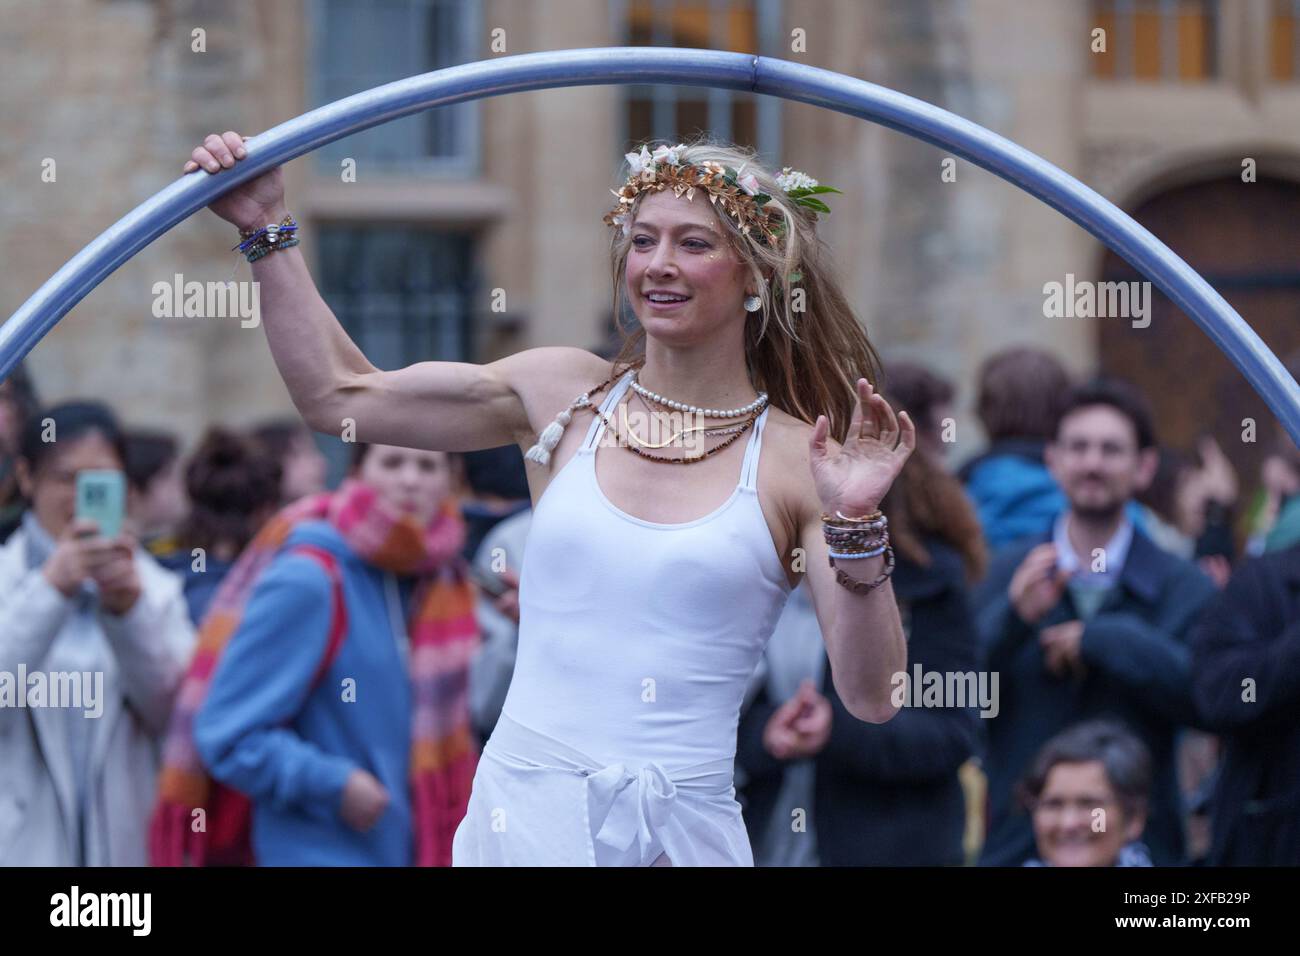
[647,592]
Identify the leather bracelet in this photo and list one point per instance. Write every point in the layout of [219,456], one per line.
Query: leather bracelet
[841,519]
[865,587]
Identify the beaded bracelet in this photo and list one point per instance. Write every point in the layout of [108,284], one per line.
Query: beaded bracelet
[862,537]
[855,539]
[855,545]
[266,250]
[847,555]
[866,547]
[848,527]
[256,243]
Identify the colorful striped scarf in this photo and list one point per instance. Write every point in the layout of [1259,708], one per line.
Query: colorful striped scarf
[444,636]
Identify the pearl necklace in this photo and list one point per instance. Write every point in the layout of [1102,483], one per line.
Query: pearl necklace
[645,393]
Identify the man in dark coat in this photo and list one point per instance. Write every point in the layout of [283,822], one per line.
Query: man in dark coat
[1090,620]
[1246,683]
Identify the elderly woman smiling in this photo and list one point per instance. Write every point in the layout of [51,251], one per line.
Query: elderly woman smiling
[1087,792]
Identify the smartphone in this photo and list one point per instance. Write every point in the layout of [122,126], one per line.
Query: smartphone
[493,584]
[101,496]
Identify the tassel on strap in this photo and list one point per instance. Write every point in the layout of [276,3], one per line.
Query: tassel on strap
[552,433]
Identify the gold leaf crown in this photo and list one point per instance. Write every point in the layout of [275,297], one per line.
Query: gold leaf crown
[740,196]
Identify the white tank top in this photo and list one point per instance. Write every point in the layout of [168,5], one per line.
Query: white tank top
[636,642]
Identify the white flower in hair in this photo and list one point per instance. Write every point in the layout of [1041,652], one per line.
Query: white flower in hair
[642,163]
[793,179]
[669,154]
[749,184]
[621,220]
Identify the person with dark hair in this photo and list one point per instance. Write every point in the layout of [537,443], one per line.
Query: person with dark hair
[1087,793]
[233,488]
[1020,400]
[497,486]
[1090,618]
[290,444]
[1189,506]
[1246,683]
[100,618]
[324,720]
[155,494]
[928,399]
[17,401]
[871,794]
[1279,484]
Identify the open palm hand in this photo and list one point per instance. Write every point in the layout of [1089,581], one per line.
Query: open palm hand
[854,477]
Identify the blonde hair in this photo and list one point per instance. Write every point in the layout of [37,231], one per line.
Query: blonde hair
[807,360]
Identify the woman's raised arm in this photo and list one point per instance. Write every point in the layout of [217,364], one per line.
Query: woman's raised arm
[442,406]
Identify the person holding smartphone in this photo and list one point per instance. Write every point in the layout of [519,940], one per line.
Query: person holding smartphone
[90,618]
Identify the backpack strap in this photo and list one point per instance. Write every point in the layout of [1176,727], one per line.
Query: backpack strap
[226,841]
[339,610]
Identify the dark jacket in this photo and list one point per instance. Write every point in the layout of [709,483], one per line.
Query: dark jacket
[200,586]
[1139,671]
[886,794]
[1252,633]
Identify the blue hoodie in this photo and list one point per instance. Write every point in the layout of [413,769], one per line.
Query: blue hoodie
[266,731]
[1015,495]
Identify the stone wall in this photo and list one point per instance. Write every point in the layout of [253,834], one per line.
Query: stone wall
[945,273]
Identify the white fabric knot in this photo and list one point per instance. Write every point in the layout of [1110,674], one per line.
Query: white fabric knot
[627,810]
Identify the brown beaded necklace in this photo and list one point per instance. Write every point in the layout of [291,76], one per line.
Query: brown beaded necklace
[744,427]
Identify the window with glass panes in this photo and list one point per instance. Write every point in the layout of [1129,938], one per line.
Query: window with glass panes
[662,111]
[361,44]
[404,293]
[1284,41]
[1171,40]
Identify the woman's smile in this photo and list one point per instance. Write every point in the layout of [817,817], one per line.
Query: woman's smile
[662,303]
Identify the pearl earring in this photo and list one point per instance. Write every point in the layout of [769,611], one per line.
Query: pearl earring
[753,303]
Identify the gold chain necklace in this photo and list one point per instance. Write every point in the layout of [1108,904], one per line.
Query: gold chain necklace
[706,429]
[677,461]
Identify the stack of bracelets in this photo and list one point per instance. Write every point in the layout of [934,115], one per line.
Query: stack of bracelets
[862,537]
[259,242]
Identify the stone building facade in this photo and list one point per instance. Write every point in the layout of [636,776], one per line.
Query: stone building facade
[475,235]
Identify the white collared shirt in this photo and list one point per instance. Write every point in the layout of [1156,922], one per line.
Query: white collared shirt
[1081,570]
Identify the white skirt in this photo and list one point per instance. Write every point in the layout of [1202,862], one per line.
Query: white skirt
[537,801]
